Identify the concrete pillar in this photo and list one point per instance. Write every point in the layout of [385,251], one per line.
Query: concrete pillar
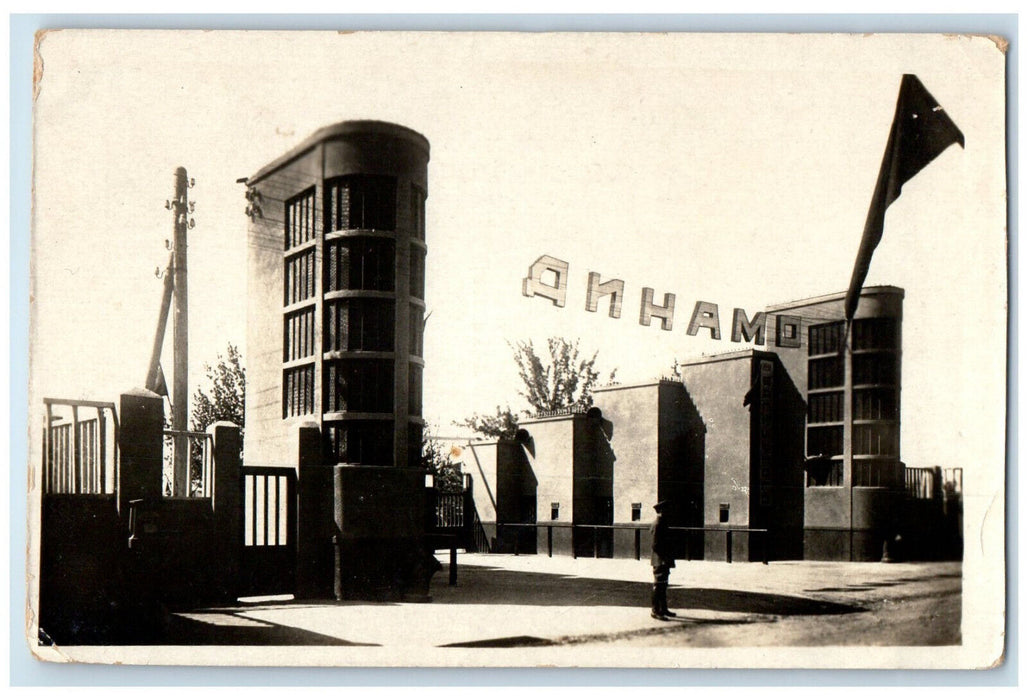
[315,557]
[379,516]
[141,441]
[227,503]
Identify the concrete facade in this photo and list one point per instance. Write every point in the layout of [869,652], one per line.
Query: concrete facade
[505,492]
[751,453]
[656,440]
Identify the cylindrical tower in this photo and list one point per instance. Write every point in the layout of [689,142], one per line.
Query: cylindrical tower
[851,383]
[349,206]
[336,301]
[373,271]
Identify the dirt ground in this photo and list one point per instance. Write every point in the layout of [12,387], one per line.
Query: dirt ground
[922,613]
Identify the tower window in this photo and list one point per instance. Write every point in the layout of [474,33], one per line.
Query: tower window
[825,338]
[298,391]
[300,219]
[361,202]
[555,511]
[722,513]
[637,512]
[417,205]
[360,262]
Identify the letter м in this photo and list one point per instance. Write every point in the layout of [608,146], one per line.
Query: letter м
[533,285]
[743,328]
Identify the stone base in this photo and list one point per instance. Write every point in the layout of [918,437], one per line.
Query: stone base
[381,548]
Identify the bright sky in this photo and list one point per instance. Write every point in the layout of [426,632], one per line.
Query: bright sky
[730,169]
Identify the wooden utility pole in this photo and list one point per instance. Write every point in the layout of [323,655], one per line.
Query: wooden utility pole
[176,289]
[180,392]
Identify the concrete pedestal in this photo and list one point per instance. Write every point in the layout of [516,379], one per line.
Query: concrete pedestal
[380,545]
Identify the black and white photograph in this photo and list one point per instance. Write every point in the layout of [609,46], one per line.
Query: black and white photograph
[465,349]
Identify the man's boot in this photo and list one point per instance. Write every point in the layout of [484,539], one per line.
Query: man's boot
[658,607]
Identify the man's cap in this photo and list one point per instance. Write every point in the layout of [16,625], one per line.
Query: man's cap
[660,505]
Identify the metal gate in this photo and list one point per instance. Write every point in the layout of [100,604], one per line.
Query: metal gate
[269,531]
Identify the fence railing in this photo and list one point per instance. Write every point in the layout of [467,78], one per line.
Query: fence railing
[269,513]
[638,529]
[953,480]
[926,483]
[452,512]
[449,510]
[80,447]
[200,461]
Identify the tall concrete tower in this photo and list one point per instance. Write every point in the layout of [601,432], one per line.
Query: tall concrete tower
[852,390]
[336,296]
[336,301]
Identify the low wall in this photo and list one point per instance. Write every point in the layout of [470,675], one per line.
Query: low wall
[83,591]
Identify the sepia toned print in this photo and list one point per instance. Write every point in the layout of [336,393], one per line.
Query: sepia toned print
[462,349]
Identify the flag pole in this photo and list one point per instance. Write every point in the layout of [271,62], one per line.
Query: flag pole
[921,130]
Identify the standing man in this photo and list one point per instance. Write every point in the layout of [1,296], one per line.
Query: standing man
[662,562]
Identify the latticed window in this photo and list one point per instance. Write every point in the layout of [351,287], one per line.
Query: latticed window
[825,408]
[877,439]
[360,263]
[825,338]
[878,472]
[417,331]
[299,334]
[414,389]
[359,324]
[832,475]
[361,441]
[359,385]
[299,274]
[361,202]
[298,391]
[874,334]
[417,272]
[825,372]
[299,219]
[824,441]
[874,368]
[874,404]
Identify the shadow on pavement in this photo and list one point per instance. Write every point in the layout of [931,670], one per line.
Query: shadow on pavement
[503,643]
[228,628]
[482,585]
[206,626]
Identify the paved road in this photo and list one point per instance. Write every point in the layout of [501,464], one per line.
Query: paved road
[502,601]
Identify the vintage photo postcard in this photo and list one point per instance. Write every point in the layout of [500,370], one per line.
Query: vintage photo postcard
[499,349]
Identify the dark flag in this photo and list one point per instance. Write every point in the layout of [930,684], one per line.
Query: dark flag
[921,130]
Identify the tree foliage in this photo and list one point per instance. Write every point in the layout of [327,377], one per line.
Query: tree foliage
[226,400]
[442,464]
[501,426]
[561,380]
